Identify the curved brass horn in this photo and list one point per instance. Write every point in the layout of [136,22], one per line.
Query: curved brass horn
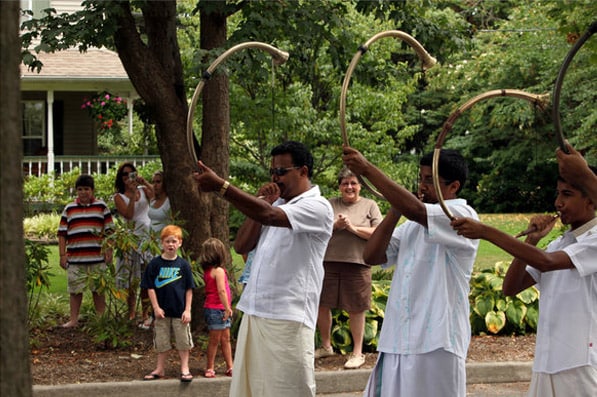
[558,84]
[538,100]
[428,62]
[278,56]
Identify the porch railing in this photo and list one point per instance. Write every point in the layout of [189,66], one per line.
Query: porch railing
[38,165]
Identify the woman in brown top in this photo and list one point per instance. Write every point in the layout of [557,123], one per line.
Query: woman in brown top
[347,280]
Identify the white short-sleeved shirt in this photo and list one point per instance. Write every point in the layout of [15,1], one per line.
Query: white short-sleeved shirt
[567,329]
[287,269]
[428,306]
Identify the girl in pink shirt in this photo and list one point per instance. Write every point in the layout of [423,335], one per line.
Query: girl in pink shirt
[217,307]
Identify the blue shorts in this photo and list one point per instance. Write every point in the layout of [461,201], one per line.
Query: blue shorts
[215,319]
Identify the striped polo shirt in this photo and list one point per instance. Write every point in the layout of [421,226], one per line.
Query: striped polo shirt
[84,227]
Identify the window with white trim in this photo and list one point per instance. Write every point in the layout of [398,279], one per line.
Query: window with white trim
[34,126]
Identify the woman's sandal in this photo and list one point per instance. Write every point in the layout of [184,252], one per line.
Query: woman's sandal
[186,377]
[146,325]
[229,372]
[152,376]
[210,373]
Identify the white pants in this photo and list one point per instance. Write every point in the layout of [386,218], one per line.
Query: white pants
[577,382]
[273,358]
[438,373]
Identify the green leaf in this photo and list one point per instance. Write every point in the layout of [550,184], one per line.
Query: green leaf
[501,304]
[484,304]
[371,330]
[515,312]
[532,317]
[495,321]
[529,295]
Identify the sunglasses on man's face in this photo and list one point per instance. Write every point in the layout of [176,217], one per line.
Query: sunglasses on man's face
[281,171]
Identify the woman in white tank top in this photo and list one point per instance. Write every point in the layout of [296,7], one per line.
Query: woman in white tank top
[132,203]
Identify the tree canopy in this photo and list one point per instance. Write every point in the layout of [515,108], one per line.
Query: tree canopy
[394,109]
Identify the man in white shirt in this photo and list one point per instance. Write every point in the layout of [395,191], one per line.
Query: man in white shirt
[566,275]
[288,224]
[426,329]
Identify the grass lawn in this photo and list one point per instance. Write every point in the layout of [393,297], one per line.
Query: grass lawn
[488,253]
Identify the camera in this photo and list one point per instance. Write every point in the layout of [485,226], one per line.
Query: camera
[132,175]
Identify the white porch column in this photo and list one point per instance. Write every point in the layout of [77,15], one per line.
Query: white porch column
[129,104]
[50,128]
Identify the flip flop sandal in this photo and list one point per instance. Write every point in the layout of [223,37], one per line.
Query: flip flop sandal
[186,378]
[152,376]
[210,373]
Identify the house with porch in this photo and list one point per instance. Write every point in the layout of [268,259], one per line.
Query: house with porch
[58,132]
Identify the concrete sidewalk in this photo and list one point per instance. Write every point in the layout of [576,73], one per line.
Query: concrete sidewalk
[329,383]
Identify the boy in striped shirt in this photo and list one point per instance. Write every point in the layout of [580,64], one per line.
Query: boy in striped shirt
[83,225]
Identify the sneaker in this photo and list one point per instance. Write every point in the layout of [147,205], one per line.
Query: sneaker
[355,362]
[323,352]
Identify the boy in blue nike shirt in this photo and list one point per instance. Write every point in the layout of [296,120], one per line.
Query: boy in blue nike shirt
[169,282]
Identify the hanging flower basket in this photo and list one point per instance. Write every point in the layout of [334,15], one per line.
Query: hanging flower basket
[106,109]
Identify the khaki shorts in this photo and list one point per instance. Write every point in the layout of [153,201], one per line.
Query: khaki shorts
[129,269]
[79,277]
[163,328]
[346,286]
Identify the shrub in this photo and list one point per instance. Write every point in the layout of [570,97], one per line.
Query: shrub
[42,226]
[38,276]
[491,311]
[50,194]
[495,313]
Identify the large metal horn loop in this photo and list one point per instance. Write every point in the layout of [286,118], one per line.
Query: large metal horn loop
[278,56]
[428,62]
[538,100]
[557,89]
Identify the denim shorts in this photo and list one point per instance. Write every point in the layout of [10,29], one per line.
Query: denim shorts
[215,319]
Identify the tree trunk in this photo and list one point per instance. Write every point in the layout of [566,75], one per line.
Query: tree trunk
[155,69]
[216,120]
[15,375]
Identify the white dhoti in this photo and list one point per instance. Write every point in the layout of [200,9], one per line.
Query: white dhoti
[438,373]
[273,358]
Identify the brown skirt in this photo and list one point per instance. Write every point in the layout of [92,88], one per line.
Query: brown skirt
[346,286]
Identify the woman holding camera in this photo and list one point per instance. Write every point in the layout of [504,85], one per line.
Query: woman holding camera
[132,203]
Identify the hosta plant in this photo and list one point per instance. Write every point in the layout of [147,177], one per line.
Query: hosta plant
[494,313]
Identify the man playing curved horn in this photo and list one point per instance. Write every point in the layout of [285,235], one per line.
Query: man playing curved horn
[566,274]
[426,330]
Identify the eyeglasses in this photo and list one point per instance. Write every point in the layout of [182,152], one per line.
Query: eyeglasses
[349,184]
[281,171]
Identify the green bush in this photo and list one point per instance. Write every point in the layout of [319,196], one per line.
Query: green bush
[42,226]
[46,193]
[38,277]
[492,312]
